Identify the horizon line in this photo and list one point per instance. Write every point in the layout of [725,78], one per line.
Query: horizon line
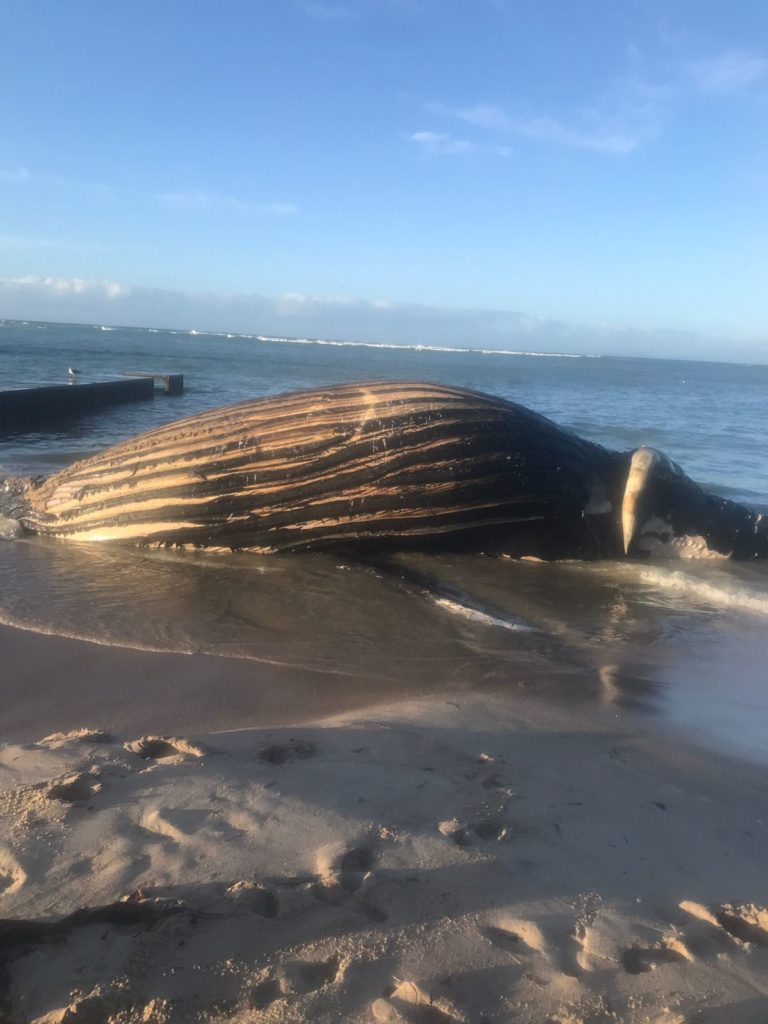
[340,342]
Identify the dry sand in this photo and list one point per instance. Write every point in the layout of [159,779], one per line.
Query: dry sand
[447,859]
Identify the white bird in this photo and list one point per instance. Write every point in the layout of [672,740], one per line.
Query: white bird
[72,372]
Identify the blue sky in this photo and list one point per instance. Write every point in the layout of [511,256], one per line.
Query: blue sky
[524,173]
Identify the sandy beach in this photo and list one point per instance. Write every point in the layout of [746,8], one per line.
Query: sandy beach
[383,512]
[451,858]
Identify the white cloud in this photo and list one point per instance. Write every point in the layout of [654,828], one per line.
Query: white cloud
[21,175]
[596,133]
[293,302]
[198,199]
[441,143]
[324,10]
[293,314]
[64,286]
[729,72]
[633,109]
[485,115]
[15,174]
[113,290]
[549,129]
[34,242]
[303,315]
[279,209]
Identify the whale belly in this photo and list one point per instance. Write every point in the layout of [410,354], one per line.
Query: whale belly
[353,462]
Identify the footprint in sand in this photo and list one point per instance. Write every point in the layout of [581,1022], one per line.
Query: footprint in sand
[342,874]
[490,830]
[355,865]
[346,869]
[515,936]
[57,739]
[305,976]
[256,897]
[412,1005]
[745,922]
[643,959]
[12,874]
[280,753]
[487,830]
[155,748]
[181,824]
[294,979]
[264,993]
[576,950]
[72,789]
[570,949]
[451,829]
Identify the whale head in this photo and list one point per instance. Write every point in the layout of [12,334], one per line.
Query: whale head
[665,513]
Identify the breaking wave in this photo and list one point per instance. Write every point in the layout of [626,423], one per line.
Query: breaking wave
[278,339]
[418,348]
[721,595]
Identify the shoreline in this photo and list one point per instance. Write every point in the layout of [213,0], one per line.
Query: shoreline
[445,859]
[53,683]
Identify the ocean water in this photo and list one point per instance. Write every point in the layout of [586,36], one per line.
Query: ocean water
[685,641]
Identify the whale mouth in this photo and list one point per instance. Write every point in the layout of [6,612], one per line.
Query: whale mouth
[657,538]
[666,514]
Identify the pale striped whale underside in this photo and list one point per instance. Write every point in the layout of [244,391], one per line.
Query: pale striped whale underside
[378,461]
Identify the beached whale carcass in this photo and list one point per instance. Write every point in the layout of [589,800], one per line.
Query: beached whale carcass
[385,464]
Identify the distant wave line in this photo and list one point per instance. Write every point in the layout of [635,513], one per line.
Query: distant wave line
[413,348]
[279,340]
[336,344]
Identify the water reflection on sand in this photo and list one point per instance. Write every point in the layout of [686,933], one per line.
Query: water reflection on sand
[684,641]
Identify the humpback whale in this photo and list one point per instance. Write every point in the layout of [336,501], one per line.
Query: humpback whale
[384,465]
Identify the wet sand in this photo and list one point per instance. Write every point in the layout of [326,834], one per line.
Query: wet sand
[457,857]
[53,683]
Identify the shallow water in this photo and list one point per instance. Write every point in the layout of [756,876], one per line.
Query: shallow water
[685,641]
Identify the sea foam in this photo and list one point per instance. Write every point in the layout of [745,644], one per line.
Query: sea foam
[721,595]
[10,529]
[485,618]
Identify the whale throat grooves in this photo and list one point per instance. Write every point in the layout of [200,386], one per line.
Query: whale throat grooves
[309,469]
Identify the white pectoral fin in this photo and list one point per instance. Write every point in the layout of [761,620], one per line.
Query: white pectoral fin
[643,463]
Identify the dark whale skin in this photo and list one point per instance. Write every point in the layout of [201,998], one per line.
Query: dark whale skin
[382,464]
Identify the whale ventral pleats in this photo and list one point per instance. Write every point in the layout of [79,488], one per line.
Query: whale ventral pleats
[385,464]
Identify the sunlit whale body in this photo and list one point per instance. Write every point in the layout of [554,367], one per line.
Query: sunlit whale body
[384,465]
